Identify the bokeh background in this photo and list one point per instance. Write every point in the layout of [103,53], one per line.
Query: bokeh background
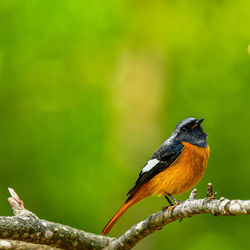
[90,89]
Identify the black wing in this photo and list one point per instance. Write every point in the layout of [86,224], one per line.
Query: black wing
[165,155]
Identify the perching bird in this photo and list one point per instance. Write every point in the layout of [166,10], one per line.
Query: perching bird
[175,168]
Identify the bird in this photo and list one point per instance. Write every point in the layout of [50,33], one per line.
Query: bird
[175,168]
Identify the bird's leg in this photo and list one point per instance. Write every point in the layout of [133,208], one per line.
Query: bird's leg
[170,203]
[177,202]
[172,206]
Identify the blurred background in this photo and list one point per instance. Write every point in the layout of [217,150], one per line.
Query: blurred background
[90,89]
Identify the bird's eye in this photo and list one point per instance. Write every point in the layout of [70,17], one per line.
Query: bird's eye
[183,129]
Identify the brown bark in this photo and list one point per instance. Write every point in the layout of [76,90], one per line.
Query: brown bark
[25,226]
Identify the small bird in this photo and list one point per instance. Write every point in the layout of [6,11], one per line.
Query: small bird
[175,168]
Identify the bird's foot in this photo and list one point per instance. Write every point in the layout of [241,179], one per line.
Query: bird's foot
[177,202]
[171,208]
[171,205]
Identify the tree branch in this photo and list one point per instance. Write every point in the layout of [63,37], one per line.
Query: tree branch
[21,245]
[188,208]
[26,226]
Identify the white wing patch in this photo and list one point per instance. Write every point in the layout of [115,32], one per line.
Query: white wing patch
[150,165]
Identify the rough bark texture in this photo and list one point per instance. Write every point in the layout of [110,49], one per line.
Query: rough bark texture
[21,245]
[25,226]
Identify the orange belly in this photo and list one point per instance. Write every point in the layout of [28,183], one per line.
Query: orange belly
[183,174]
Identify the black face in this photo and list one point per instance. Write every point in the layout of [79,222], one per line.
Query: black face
[190,130]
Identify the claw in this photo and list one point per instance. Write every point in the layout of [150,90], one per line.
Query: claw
[171,208]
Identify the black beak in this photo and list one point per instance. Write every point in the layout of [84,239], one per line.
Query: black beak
[197,122]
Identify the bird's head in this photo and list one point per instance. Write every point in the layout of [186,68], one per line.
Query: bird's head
[190,130]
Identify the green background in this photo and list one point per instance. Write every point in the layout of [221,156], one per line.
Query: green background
[90,89]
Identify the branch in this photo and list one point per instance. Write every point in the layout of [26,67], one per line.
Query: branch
[21,245]
[188,208]
[26,226]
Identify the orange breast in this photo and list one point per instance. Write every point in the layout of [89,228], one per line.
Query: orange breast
[183,174]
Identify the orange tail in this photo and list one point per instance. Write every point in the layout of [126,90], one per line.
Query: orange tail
[128,203]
